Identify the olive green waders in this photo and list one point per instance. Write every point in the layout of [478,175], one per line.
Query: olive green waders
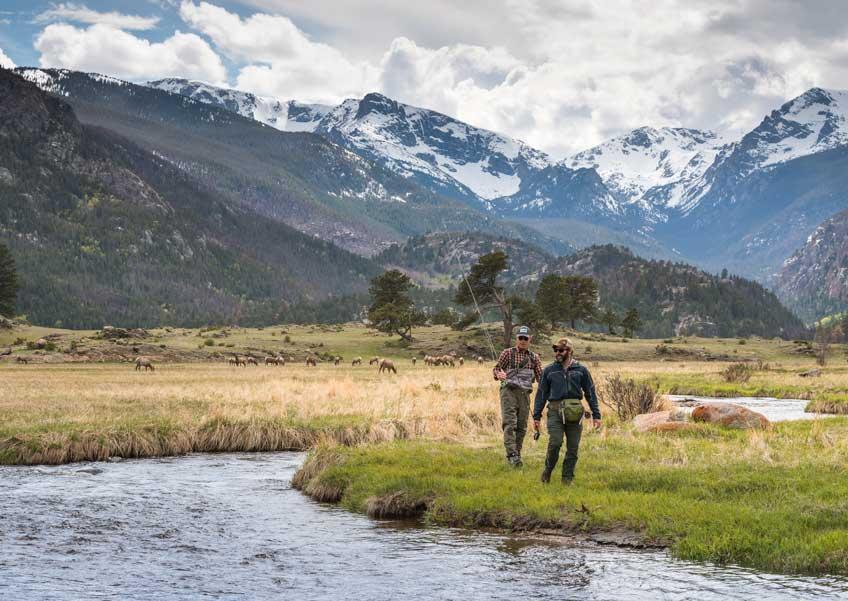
[572,431]
[515,410]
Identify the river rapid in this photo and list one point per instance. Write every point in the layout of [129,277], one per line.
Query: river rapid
[231,526]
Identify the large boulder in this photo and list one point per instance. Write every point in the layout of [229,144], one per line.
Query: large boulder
[659,420]
[730,416]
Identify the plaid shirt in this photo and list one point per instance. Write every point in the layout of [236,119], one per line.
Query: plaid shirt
[513,357]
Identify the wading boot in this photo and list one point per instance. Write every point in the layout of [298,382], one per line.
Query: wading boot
[567,481]
[546,476]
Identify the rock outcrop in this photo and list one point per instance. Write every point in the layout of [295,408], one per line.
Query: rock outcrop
[730,416]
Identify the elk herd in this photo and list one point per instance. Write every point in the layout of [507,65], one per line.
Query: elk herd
[383,365]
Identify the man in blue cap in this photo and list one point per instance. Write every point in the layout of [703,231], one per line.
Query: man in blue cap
[517,368]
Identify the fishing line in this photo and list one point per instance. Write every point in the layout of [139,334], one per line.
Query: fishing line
[480,313]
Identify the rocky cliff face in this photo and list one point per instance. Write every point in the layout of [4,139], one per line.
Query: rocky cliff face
[814,280]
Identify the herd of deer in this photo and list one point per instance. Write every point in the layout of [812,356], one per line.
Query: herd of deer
[387,365]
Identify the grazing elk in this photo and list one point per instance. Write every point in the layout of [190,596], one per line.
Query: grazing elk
[480,360]
[311,361]
[144,363]
[272,361]
[357,361]
[235,360]
[337,360]
[461,361]
[252,361]
[374,361]
[24,360]
[387,365]
[414,360]
[445,360]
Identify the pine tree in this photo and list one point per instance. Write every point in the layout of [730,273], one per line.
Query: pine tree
[481,288]
[610,319]
[582,299]
[631,322]
[391,310]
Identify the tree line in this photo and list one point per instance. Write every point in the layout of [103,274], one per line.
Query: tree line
[558,301]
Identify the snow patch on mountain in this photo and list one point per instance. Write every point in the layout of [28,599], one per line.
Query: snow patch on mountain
[285,115]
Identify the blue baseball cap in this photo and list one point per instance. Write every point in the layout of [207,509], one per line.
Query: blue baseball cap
[523,331]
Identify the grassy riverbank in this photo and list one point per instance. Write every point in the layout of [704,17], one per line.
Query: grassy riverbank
[772,500]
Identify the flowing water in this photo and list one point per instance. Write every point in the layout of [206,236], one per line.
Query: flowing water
[231,527]
[776,410]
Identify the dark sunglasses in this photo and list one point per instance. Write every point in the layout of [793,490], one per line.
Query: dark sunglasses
[524,338]
[558,349]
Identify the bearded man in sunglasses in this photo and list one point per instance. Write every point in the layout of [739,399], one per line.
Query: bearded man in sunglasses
[563,383]
[517,368]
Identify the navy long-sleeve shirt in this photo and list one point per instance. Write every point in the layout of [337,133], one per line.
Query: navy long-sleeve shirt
[557,384]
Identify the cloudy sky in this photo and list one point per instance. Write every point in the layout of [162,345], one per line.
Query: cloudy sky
[562,75]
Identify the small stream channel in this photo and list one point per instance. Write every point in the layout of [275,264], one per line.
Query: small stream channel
[230,526]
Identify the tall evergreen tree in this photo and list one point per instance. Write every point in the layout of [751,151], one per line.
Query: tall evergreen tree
[610,319]
[8,282]
[392,310]
[481,287]
[552,298]
[631,323]
[582,299]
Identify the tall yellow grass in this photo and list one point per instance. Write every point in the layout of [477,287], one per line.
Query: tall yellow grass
[72,412]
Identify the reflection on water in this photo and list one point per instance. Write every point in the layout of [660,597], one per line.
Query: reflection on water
[231,527]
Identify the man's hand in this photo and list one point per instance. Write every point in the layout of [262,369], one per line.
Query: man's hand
[500,375]
[536,424]
[596,423]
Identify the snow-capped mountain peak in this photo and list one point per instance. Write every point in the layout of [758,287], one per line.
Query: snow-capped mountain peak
[652,167]
[813,122]
[419,142]
[285,115]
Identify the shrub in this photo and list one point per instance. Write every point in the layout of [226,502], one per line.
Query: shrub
[737,372]
[742,341]
[208,342]
[287,339]
[629,398]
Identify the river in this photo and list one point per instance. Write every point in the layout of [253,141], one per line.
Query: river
[231,527]
[776,410]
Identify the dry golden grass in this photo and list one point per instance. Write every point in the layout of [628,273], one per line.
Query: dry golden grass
[55,414]
[68,412]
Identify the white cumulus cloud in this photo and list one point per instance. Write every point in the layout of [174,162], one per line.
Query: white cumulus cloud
[562,75]
[106,49]
[68,11]
[283,61]
[5,61]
